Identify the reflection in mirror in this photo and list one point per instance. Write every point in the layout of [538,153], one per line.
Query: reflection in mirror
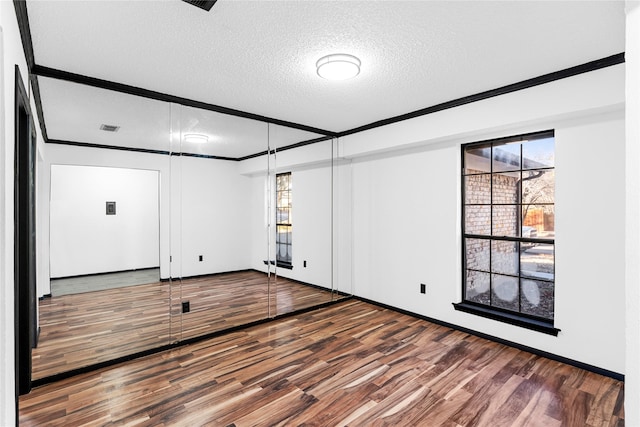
[251,221]
[341,223]
[228,233]
[213,238]
[106,222]
[95,248]
[304,217]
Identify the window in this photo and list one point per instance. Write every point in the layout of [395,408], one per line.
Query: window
[508,230]
[283,220]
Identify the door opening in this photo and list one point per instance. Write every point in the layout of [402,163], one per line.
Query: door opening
[24,238]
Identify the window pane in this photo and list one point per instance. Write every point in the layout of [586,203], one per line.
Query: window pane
[477,220]
[282,215]
[477,159]
[538,153]
[283,234]
[477,253]
[504,257]
[506,187]
[506,157]
[505,220]
[538,221]
[537,261]
[504,292]
[538,186]
[537,298]
[477,189]
[477,287]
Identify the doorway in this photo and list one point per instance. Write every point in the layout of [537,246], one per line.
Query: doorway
[24,238]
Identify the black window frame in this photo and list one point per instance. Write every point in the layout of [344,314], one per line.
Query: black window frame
[517,318]
[284,263]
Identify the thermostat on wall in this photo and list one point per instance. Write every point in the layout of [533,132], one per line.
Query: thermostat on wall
[111,208]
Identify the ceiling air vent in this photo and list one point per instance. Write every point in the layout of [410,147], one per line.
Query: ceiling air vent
[202,4]
[109,128]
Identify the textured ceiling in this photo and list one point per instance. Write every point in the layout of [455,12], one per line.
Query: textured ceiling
[259,56]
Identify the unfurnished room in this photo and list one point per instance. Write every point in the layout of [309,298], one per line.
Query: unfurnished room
[320,213]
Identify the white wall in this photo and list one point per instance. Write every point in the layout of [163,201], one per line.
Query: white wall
[406,213]
[632,223]
[215,211]
[84,240]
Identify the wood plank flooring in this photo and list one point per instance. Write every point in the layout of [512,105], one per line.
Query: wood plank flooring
[84,329]
[349,364]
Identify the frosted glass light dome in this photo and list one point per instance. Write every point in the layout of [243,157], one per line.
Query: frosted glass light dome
[338,66]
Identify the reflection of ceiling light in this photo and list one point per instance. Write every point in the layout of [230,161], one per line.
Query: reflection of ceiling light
[196,138]
[338,66]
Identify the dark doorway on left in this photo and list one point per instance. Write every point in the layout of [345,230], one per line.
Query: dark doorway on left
[24,237]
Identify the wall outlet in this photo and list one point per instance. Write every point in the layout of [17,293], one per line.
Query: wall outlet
[199,257]
[304,263]
[186,307]
[423,288]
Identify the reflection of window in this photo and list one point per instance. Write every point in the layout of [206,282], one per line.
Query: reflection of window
[283,219]
[508,228]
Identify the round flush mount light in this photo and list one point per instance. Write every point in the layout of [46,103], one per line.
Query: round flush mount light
[196,138]
[338,66]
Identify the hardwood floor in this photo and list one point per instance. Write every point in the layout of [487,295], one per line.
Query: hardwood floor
[348,364]
[93,327]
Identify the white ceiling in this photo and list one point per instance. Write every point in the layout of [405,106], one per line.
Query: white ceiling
[259,56]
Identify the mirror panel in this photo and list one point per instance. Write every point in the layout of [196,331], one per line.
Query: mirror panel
[302,216]
[218,287]
[107,220]
[341,223]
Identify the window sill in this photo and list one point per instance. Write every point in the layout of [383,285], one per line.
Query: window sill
[506,317]
[280,264]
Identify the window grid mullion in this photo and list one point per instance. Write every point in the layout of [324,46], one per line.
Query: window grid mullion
[521,225]
[491,228]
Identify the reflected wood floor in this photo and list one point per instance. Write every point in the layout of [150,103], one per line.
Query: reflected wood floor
[84,329]
[348,364]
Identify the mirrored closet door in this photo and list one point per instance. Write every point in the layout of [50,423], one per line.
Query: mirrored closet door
[166,223]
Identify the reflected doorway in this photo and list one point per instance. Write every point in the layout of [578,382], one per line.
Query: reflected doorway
[104,248]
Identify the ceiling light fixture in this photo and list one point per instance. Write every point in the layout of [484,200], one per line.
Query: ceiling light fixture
[196,138]
[338,66]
